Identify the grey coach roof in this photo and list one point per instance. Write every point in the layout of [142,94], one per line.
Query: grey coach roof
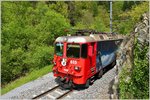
[75,39]
[91,38]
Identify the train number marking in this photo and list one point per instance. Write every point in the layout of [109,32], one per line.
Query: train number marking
[73,62]
[66,70]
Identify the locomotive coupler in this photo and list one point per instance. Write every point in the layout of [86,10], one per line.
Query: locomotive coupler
[62,79]
[68,85]
[64,82]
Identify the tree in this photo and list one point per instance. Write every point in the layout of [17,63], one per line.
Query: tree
[28,31]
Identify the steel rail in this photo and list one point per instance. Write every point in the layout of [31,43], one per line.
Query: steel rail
[63,95]
[46,92]
[50,90]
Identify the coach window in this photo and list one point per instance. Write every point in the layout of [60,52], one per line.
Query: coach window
[84,51]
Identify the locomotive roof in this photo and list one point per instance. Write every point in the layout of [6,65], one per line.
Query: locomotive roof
[75,39]
[90,38]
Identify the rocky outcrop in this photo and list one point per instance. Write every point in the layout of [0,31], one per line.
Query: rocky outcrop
[125,55]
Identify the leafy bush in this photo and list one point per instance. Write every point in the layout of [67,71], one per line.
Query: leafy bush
[28,32]
[140,76]
[138,86]
[126,20]
[39,57]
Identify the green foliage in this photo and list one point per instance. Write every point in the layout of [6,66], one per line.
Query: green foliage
[49,24]
[90,15]
[127,5]
[125,83]
[40,57]
[117,9]
[126,21]
[86,21]
[140,76]
[101,21]
[28,31]
[138,86]
[99,25]
[60,7]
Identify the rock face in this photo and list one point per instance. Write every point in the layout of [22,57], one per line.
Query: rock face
[142,30]
[125,53]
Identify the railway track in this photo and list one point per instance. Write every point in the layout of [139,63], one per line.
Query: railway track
[53,93]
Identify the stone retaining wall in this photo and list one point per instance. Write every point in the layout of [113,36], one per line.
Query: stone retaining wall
[125,52]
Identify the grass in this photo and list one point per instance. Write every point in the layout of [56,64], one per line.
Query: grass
[29,77]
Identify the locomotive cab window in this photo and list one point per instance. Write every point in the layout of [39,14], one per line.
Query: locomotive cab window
[59,49]
[84,51]
[73,50]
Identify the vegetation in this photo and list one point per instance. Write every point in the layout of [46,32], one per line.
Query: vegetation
[130,17]
[28,33]
[136,86]
[30,28]
[140,76]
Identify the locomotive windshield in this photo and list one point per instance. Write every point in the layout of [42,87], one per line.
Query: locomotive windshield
[59,49]
[73,50]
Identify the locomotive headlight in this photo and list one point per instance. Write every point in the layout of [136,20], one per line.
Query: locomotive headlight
[76,68]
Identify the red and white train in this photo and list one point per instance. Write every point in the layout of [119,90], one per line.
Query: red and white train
[78,58]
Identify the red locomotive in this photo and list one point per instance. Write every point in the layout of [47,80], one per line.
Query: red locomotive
[78,58]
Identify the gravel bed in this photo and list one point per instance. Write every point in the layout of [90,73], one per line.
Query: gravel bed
[100,89]
[32,88]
